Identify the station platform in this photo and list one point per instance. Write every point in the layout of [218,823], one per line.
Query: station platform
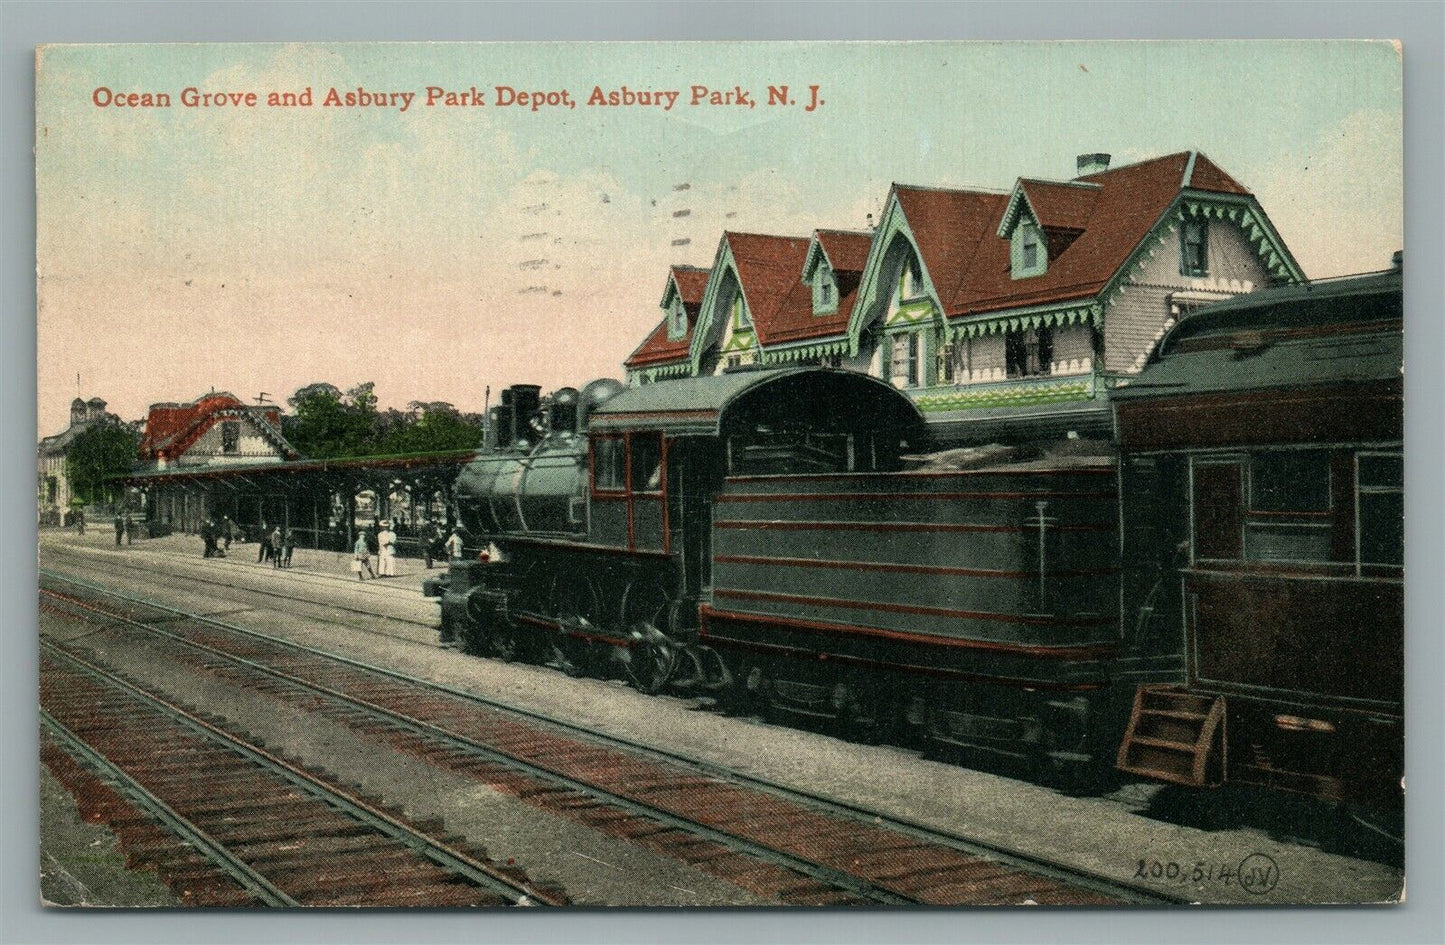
[410,572]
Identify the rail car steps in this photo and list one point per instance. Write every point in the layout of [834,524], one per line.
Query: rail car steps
[1175,736]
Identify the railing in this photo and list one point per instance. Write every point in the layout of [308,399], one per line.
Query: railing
[1012,392]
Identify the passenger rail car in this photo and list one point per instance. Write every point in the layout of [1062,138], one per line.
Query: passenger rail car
[1262,479]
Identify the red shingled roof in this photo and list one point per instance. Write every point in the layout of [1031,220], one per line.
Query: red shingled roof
[657,348]
[171,429]
[847,253]
[1060,205]
[969,264]
[847,249]
[770,271]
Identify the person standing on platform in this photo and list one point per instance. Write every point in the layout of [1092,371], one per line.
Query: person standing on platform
[129,531]
[228,532]
[119,528]
[276,547]
[80,521]
[208,536]
[431,539]
[361,557]
[263,551]
[454,545]
[386,544]
[288,545]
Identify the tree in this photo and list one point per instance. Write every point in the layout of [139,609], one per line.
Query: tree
[105,449]
[433,427]
[325,423]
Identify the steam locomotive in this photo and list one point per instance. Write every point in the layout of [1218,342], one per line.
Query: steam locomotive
[784,539]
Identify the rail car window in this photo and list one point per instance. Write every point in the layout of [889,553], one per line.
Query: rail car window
[609,464]
[646,462]
[1380,505]
[1289,505]
[1218,501]
[1289,481]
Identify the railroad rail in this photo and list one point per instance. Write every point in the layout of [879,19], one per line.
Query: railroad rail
[282,835]
[129,564]
[850,853]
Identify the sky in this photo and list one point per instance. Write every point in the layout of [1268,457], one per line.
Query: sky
[439,251]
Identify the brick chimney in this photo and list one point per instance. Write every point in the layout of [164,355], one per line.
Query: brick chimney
[1092,163]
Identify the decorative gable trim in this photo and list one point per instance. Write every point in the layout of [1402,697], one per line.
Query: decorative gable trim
[722,266]
[1243,211]
[1018,204]
[807,351]
[1085,312]
[894,225]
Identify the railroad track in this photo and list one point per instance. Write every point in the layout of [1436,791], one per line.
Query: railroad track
[112,564]
[226,822]
[732,824]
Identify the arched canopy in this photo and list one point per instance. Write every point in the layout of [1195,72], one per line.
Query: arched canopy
[818,398]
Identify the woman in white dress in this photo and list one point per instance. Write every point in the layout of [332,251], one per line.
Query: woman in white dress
[386,540]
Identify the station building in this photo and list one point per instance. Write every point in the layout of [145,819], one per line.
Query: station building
[993,310]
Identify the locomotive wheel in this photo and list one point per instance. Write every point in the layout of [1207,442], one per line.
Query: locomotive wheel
[503,644]
[649,614]
[575,607]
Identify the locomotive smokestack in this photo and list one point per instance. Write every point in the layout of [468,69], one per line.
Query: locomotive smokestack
[526,398]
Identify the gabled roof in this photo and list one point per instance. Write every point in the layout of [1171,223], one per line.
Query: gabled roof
[768,269]
[1114,218]
[171,429]
[688,282]
[951,228]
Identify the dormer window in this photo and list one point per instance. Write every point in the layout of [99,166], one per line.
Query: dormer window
[1194,248]
[825,291]
[677,318]
[1030,256]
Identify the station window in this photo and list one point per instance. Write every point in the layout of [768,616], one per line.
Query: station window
[1380,507]
[1194,248]
[230,436]
[947,363]
[904,367]
[609,464]
[1029,352]
[910,282]
[646,462]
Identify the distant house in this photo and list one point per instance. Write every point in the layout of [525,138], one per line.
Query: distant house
[214,430]
[52,486]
